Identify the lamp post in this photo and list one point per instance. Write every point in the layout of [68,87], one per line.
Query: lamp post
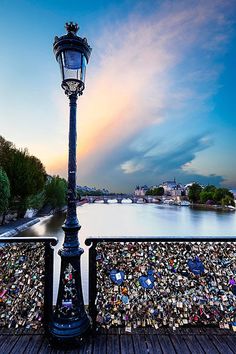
[70,321]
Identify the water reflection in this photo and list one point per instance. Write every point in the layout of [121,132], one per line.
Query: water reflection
[129,219]
[140,220]
[48,226]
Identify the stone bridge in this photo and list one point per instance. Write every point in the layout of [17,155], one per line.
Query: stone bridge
[120,197]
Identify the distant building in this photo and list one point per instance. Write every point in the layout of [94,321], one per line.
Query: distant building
[172,188]
[92,189]
[141,191]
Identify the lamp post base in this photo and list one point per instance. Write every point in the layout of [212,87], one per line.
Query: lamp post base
[69,334]
[70,322]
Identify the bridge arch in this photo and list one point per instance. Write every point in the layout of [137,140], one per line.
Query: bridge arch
[120,198]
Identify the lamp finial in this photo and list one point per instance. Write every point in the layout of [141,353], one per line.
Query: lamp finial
[72,27]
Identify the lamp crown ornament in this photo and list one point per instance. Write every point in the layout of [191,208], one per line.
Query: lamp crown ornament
[72,27]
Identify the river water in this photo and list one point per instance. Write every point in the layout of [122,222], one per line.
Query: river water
[134,220]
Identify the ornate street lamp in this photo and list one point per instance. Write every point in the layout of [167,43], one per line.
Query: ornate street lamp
[70,321]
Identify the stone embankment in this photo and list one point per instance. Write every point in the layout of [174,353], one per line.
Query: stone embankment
[212,207]
[17,226]
[14,227]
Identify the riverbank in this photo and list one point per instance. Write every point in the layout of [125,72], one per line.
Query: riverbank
[14,227]
[211,207]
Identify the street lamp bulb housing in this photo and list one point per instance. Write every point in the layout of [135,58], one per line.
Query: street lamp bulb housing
[72,53]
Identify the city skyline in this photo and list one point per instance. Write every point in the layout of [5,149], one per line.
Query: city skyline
[160,90]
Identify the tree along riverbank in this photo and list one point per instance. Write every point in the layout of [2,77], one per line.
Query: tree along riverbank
[211,196]
[24,184]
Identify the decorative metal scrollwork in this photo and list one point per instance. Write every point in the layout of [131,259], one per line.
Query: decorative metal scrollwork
[72,87]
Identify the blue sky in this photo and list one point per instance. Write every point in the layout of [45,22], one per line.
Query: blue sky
[160,97]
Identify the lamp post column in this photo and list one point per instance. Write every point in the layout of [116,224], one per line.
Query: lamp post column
[71,219]
[70,320]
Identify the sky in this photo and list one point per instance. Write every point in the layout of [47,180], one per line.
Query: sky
[160,96]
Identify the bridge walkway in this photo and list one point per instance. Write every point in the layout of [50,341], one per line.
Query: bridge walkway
[117,341]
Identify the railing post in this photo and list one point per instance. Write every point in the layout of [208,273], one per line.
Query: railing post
[92,280]
[48,285]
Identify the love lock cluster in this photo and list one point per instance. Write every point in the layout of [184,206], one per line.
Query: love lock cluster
[171,284]
[21,285]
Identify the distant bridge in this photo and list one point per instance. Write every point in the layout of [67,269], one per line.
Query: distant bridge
[120,197]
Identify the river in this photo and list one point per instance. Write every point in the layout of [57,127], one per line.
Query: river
[134,220]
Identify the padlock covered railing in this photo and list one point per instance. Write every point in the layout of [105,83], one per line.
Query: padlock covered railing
[162,281]
[26,282]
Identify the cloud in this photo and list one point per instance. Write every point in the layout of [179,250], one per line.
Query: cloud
[131,74]
[150,162]
[152,158]
[178,156]
[132,166]
[150,70]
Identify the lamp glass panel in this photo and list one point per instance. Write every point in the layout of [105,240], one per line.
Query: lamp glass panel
[72,59]
[71,64]
[83,68]
[60,61]
[71,74]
